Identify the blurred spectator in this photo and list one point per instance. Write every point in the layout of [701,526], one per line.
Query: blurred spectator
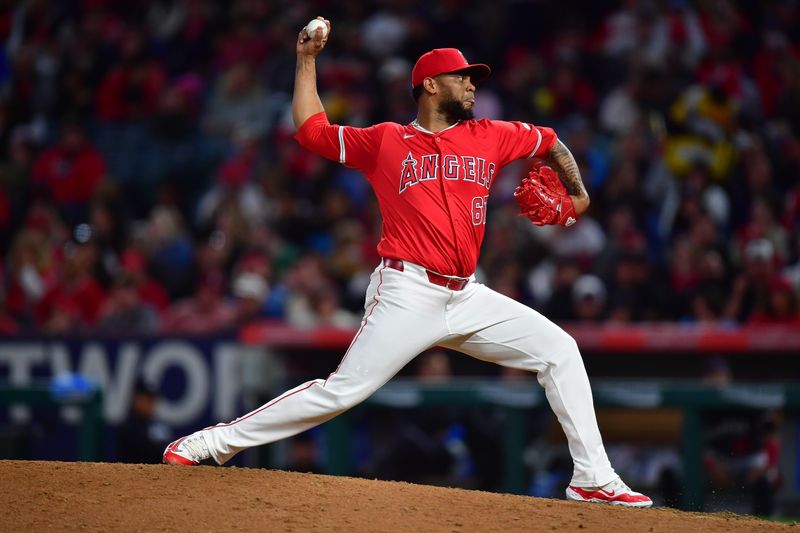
[8,326]
[236,182]
[141,438]
[321,308]
[349,253]
[305,453]
[75,301]
[705,122]
[623,235]
[629,165]
[583,241]
[709,297]
[639,102]
[417,450]
[764,224]
[133,269]
[130,91]
[632,296]
[683,275]
[250,290]
[702,209]
[169,250]
[5,213]
[506,278]
[243,39]
[570,92]
[588,299]
[306,276]
[108,222]
[780,305]
[238,103]
[641,28]
[560,302]
[385,31]
[751,287]
[257,262]
[435,444]
[742,448]
[172,152]
[124,311]
[31,273]
[15,172]
[523,80]
[70,172]
[758,180]
[206,312]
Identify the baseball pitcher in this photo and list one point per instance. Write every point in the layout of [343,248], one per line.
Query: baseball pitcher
[432,179]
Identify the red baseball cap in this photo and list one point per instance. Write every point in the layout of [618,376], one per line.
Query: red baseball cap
[444,61]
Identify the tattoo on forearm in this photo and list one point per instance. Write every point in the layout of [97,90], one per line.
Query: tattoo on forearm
[570,174]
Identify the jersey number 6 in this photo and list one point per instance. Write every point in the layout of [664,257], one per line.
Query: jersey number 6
[479,205]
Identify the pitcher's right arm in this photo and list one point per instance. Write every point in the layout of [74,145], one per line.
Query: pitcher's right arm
[353,147]
[305,101]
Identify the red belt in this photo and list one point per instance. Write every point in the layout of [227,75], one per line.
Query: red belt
[454,284]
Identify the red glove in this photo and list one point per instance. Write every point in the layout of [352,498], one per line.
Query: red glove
[543,198]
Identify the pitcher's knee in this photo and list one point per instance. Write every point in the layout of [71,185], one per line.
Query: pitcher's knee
[565,347]
[571,344]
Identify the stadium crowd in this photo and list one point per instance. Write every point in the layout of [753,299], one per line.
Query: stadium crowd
[150,181]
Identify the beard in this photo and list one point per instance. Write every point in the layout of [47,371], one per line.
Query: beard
[454,110]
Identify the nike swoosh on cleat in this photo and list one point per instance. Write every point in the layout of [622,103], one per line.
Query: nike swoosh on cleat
[606,492]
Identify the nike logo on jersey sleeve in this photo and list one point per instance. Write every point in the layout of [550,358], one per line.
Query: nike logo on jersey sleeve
[409,135]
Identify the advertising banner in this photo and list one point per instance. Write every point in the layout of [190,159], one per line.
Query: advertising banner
[198,379]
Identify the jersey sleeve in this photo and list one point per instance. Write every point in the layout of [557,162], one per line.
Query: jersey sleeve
[350,146]
[520,140]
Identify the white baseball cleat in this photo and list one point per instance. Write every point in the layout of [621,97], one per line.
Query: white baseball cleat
[187,451]
[614,493]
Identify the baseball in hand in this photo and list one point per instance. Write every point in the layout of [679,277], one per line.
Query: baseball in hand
[311,28]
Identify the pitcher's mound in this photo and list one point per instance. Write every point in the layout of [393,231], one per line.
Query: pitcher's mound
[53,496]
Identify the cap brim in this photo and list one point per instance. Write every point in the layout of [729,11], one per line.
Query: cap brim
[477,72]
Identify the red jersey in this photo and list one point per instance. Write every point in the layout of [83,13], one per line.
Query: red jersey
[432,188]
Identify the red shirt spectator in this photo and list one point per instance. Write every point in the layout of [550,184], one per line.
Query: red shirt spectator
[71,171]
[779,307]
[77,299]
[243,42]
[81,300]
[206,312]
[130,92]
[150,291]
[5,211]
[7,324]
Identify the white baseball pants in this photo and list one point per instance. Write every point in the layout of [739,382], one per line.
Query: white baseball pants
[404,315]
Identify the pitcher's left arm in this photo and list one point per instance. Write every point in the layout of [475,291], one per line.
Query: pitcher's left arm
[570,176]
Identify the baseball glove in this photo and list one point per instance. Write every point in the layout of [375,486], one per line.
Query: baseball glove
[543,198]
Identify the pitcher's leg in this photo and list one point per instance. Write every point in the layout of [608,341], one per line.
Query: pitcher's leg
[508,333]
[392,333]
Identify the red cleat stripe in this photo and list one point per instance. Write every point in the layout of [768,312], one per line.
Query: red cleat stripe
[611,497]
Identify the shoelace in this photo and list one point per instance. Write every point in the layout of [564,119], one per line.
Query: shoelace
[618,485]
[196,447]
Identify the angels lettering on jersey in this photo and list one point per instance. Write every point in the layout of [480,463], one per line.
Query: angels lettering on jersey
[452,167]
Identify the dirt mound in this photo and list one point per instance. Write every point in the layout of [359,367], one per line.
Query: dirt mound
[53,496]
